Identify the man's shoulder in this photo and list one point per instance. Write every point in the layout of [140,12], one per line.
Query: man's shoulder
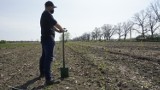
[46,13]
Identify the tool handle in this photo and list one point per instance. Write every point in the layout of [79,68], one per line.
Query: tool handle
[63,47]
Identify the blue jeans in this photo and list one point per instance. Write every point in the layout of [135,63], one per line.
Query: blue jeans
[47,57]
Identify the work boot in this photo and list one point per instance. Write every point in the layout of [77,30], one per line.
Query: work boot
[51,82]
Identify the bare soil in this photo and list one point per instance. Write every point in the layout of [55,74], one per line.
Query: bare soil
[92,66]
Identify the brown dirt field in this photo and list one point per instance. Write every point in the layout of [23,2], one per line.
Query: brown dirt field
[92,66]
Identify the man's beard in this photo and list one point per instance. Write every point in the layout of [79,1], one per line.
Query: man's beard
[51,11]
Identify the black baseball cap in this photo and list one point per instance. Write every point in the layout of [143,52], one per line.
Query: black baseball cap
[49,3]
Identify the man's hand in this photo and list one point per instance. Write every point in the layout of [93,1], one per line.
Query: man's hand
[63,30]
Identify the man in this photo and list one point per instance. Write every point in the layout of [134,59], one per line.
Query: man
[48,27]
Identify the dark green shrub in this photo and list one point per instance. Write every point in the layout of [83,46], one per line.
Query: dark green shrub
[3,42]
[148,38]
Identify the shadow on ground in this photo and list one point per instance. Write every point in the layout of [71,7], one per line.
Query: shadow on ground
[27,84]
[30,82]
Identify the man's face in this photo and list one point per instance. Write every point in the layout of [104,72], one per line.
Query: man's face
[51,9]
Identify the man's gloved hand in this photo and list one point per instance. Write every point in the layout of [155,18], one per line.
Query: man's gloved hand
[63,30]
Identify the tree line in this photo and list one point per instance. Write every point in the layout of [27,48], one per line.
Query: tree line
[146,23]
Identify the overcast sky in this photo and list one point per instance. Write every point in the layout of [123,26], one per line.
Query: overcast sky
[19,19]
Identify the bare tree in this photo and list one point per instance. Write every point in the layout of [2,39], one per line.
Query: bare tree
[108,31]
[119,30]
[156,8]
[127,27]
[86,36]
[93,35]
[97,33]
[140,21]
[100,34]
[104,31]
[152,22]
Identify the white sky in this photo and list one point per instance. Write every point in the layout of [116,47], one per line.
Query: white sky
[19,19]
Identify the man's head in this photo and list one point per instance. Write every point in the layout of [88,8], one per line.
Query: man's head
[50,6]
